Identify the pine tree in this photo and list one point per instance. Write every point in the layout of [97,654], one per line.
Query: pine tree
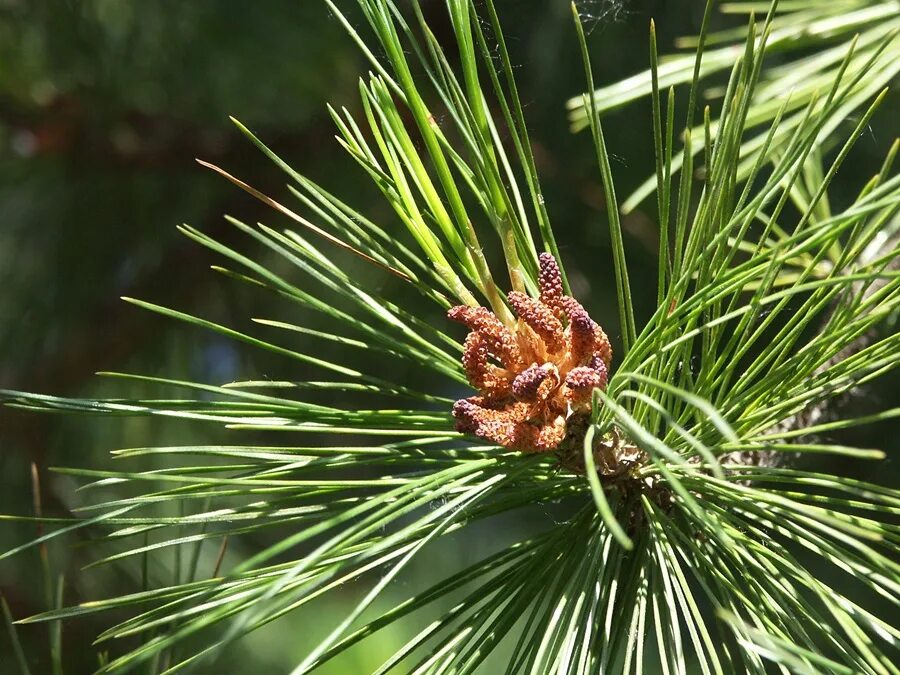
[689,532]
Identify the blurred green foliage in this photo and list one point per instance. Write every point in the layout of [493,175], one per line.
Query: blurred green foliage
[104,104]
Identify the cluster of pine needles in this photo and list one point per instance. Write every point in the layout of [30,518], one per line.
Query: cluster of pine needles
[703,551]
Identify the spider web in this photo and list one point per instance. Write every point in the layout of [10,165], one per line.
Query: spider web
[601,13]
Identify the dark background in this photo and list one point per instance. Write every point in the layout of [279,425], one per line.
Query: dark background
[103,107]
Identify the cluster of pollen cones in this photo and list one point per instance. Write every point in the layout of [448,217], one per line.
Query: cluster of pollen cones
[534,377]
